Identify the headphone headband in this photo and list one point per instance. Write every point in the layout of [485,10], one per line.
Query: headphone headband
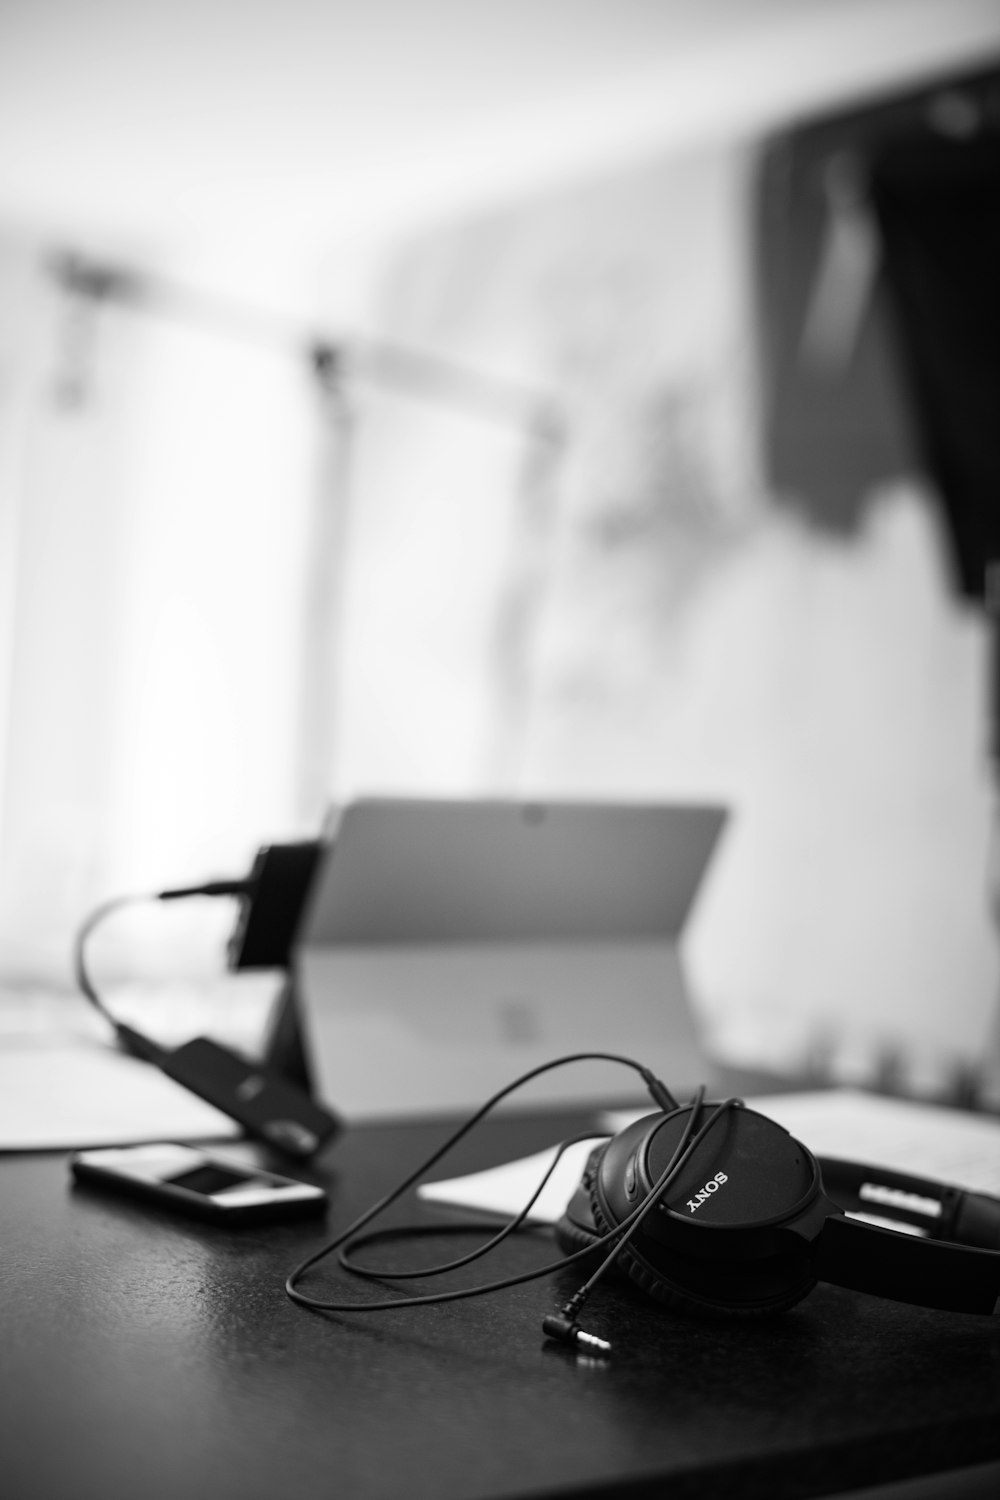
[930,1273]
[955,1268]
[940,1210]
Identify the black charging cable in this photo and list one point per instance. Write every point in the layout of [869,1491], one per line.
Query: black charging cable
[563,1326]
[268,1105]
[131,1040]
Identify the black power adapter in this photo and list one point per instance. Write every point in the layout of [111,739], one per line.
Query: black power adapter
[270,909]
[268,1106]
[272,1099]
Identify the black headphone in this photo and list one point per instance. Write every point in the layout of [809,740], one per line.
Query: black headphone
[712,1208]
[748,1220]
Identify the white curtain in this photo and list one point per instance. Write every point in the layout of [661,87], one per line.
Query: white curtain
[161,487]
[232,593]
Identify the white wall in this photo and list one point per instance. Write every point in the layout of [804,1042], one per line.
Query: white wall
[678,634]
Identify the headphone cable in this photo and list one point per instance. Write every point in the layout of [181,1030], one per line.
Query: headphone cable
[349,1237]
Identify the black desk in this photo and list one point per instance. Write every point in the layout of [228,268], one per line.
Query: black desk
[147,1358]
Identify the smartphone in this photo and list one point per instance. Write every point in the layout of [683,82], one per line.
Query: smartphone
[193,1181]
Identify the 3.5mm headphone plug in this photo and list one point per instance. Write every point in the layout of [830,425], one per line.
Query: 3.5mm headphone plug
[557,1326]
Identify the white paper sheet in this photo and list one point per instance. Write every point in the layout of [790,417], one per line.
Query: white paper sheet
[946,1144]
[505,1190]
[62,1093]
[924,1139]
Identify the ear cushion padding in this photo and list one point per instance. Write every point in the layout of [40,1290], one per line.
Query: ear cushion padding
[742,1290]
[572,1236]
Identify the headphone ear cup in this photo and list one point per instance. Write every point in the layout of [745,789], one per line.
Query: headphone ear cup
[647,1278]
[583,1227]
[745,1289]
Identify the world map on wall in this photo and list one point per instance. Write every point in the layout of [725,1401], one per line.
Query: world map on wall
[652,612]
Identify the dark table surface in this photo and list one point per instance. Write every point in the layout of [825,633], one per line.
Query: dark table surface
[147,1357]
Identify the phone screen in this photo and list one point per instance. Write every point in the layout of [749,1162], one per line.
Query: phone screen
[210,1178]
